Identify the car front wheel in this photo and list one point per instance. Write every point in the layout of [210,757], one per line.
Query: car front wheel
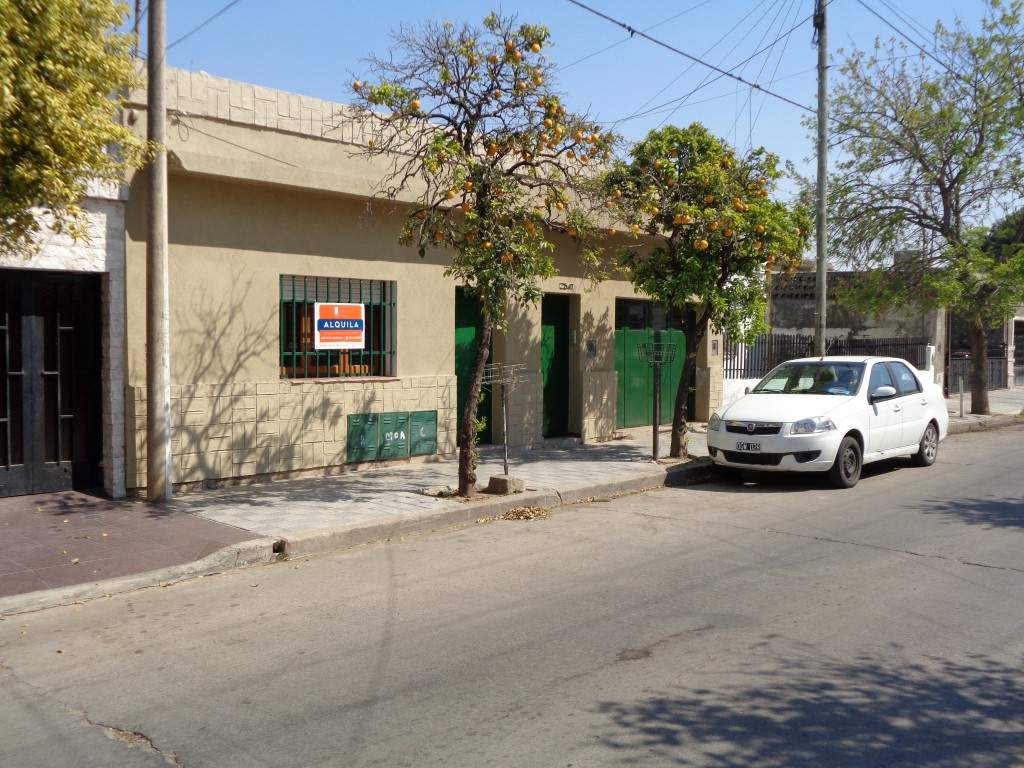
[845,471]
[928,449]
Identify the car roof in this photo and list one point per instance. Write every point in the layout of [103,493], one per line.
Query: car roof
[845,359]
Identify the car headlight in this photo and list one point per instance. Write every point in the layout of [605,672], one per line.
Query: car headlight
[714,423]
[810,426]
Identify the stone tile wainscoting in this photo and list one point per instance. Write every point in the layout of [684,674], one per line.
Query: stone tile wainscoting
[232,431]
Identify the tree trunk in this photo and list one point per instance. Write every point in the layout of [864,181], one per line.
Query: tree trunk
[979,368]
[467,435]
[680,428]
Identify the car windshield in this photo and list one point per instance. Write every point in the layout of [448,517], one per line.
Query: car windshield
[813,378]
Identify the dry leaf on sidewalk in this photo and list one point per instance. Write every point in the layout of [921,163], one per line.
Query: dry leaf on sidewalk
[526,513]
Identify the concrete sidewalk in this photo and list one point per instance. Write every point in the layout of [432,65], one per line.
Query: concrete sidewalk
[71,546]
[293,506]
[1000,401]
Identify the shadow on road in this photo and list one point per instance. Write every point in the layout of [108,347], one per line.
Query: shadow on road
[752,481]
[812,714]
[992,513]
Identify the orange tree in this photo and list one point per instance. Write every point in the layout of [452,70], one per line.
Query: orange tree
[708,231]
[471,127]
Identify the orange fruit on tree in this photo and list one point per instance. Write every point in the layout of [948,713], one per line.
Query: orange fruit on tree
[759,229]
[357,85]
[727,232]
[709,199]
[506,257]
[701,245]
[517,56]
[488,244]
[492,149]
[439,236]
[467,185]
[414,105]
[493,59]
[535,47]
[497,93]
[510,46]
[450,194]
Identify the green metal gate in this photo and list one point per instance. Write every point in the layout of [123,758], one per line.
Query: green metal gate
[467,325]
[634,403]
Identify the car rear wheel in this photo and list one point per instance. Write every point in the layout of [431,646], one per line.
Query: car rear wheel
[928,449]
[845,471]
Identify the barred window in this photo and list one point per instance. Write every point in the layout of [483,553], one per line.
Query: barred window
[299,357]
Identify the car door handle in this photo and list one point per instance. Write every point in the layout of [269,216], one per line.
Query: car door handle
[924,402]
[896,408]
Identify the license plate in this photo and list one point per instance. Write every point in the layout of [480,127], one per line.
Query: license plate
[748,447]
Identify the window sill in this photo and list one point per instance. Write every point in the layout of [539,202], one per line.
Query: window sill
[342,379]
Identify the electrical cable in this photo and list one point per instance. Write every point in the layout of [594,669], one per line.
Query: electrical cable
[706,51]
[202,24]
[684,54]
[627,39]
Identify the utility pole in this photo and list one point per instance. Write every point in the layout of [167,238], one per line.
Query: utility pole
[820,288]
[158,326]
[135,28]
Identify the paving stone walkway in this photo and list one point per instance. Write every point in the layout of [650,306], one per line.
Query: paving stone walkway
[293,506]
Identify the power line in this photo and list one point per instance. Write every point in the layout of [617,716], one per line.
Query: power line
[906,37]
[681,100]
[656,41]
[771,81]
[908,20]
[707,75]
[747,104]
[627,39]
[706,51]
[203,23]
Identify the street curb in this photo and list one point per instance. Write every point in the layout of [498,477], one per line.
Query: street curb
[267,550]
[245,553]
[357,534]
[982,423]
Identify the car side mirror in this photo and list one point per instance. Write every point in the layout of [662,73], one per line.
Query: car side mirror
[883,393]
[746,390]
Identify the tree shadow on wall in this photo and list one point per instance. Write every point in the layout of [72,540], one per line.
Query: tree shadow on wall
[214,421]
[818,713]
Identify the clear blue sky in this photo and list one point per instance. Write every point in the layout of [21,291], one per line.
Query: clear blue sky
[311,46]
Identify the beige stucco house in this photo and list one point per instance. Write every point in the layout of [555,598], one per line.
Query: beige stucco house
[270,211]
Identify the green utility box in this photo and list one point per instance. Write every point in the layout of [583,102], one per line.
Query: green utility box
[394,435]
[423,433]
[363,437]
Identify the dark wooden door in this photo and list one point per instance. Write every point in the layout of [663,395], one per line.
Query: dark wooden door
[49,393]
[554,363]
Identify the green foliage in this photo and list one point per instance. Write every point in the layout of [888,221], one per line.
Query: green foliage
[61,61]
[710,227]
[498,162]
[927,151]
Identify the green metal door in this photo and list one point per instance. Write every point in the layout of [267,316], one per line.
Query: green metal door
[362,441]
[635,397]
[423,433]
[554,363]
[467,324]
[394,435]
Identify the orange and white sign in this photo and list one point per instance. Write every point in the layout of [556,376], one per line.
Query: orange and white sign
[340,326]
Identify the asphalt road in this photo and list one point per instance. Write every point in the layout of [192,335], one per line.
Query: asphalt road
[776,624]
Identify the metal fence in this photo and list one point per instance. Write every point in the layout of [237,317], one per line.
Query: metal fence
[998,370]
[752,361]
[1018,375]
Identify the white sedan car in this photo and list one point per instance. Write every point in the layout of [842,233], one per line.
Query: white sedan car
[831,414]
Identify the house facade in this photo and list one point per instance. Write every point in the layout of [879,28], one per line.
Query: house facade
[273,211]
